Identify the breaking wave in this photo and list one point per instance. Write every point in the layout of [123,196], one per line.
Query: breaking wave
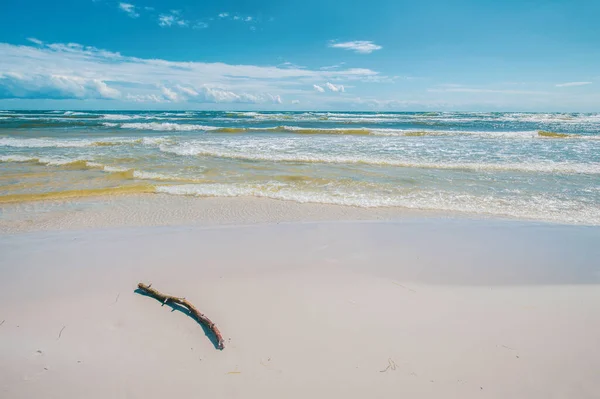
[78,143]
[539,167]
[538,207]
[359,131]
[161,126]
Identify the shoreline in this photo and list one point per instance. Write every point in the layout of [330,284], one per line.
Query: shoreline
[167,210]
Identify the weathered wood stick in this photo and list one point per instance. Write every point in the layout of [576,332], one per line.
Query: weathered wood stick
[182,301]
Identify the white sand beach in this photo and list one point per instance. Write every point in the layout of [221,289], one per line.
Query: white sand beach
[313,301]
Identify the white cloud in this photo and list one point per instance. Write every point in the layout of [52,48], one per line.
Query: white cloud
[144,98]
[330,67]
[172,19]
[52,71]
[571,84]
[358,46]
[335,88]
[455,88]
[170,94]
[36,41]
[129,9]
[295,101]
[15,85]
[248,18]
[200,25]
[166,20]
[208,94]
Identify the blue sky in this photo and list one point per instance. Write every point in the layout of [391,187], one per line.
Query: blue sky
[301,55]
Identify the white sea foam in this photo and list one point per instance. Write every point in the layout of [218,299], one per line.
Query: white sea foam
[164,126]
[110,169]
[170,126]
[50,161]
[139,174]
[477,162]
[41,142]
[196,149]
[74,113]
[539,207]
[79,143]
[17,158]
[119,117]
[444,117]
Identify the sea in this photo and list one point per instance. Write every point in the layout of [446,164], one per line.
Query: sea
[534,166]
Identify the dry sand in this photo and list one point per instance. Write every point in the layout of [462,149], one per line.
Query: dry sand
[417,308]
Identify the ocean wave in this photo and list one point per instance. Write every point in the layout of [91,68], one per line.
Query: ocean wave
[434,117]
[359,131]
[161,126]
[82,193]
[81,163]
[131,117]
[76,113]
[119,117]
[538,207]
[80,143]
[189,149]
[116,172]
[42,143]
[592,119]
[291,129]
[129,173]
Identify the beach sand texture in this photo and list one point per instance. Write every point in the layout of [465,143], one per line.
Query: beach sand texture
[419,307]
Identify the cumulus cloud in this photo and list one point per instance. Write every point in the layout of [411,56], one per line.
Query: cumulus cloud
[129,9]
[571,84]
[358,46]
[335,88]
[15,85]
[223,15]
[208,94]
[144,98]
[75,71]
[169,94]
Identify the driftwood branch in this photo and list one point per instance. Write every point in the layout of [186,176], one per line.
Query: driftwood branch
[184,302]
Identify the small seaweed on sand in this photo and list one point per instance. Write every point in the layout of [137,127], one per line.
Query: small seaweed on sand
[543,133]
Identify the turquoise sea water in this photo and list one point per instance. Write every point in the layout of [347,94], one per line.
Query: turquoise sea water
[519,165]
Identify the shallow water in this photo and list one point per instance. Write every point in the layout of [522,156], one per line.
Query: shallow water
[520,165]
